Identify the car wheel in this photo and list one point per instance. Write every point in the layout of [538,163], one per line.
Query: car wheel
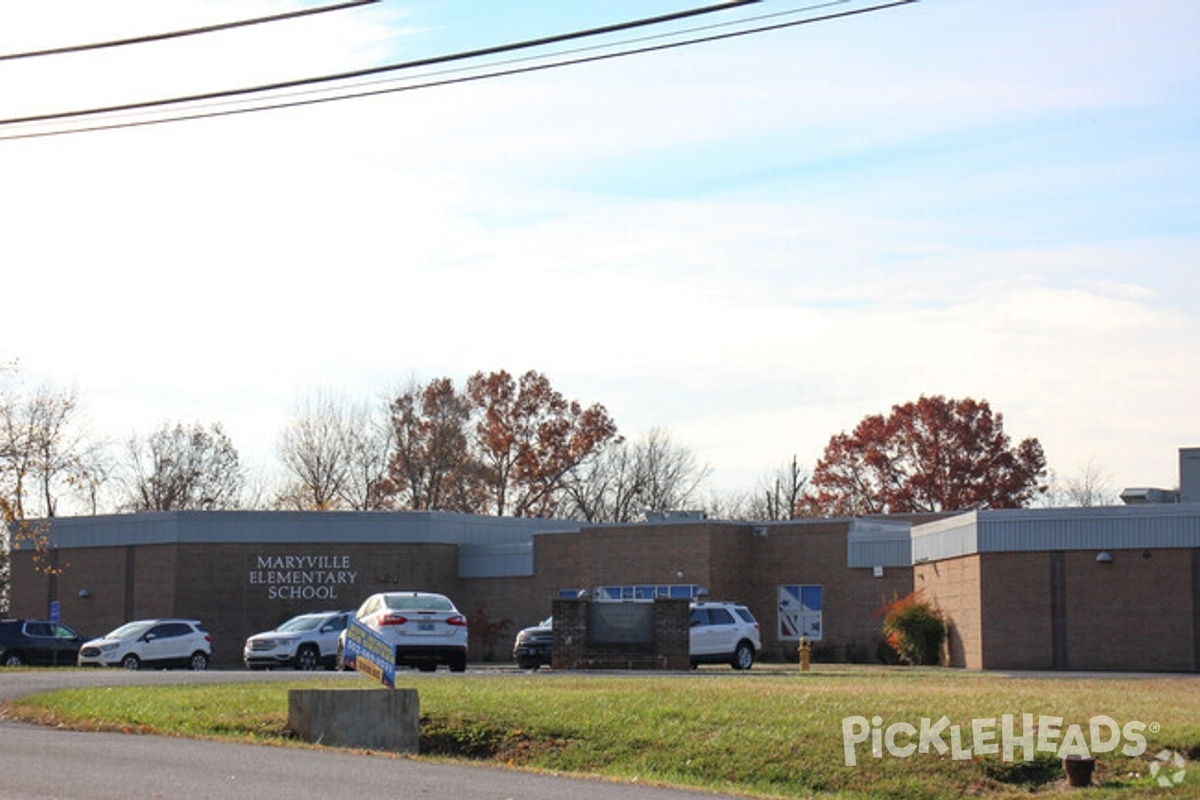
[198,661]
[13,660]
[131,662]
[307,658]
[459,664]
[743,657]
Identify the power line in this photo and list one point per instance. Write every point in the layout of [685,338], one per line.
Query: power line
[360,73]
[572,51]
[461,79]
[155,37]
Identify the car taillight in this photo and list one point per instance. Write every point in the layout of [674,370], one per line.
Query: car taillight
[457,619]
[393,619]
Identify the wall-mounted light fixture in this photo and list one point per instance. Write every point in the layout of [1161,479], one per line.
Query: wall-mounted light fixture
[1104,557]
[84,594]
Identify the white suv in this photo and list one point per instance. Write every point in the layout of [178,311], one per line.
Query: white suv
[151,642]
[724,633]
[304,642]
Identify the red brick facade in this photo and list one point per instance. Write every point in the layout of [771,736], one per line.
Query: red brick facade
[1031,609]
[1068,610]
[733,563]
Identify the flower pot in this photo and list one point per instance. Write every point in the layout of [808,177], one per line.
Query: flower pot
[1079,770]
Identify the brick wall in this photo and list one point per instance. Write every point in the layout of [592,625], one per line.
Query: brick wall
[1064,610]
[1016,602]
[953,587]
[242,589]
[1134,613]
[733,563]
[815,553]
[497,609]
[225,586]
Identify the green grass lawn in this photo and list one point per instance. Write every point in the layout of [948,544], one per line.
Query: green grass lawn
[772,732]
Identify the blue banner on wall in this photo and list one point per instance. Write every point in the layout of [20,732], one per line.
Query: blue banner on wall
[369,653]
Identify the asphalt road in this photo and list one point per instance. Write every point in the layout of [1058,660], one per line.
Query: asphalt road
[39,763]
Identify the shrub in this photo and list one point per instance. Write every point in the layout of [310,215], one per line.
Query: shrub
[914,629]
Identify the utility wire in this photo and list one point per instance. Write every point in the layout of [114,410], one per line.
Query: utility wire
[572,51]
[470,54]
[461,79]
[346,91]
[156,37]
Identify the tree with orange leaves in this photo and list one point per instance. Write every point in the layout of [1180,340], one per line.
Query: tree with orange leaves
[937,454]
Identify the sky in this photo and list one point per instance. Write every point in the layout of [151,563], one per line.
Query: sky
[750,243]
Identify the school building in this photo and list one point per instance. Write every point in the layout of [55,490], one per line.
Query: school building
[1114,588]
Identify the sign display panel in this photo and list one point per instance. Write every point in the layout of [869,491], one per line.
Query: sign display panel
[369,653]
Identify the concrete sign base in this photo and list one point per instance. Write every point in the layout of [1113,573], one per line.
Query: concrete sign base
[365,718]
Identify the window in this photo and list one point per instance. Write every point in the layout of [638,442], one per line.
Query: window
[719,616]
[647,592]
[63,632]
[169,630]
[800,610]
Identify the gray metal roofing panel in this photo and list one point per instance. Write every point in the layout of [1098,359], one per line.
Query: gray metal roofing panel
[945,538]
[1107,528]
[1041,529]
[878,543]
[231,527]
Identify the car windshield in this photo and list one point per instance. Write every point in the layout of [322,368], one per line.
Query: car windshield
[419,602]
[130,630]
[304,623]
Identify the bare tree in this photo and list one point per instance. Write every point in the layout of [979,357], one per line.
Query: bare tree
[605,488]
[97,469]
[336,455]
[368,448]
[43,449]
[1090,486]
[183,468]
[782,492]
[627,479]
[313,451]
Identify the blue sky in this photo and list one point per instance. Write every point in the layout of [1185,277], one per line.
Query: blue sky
[751,243]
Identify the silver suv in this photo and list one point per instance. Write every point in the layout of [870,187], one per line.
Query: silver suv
[304,642]
[721,633]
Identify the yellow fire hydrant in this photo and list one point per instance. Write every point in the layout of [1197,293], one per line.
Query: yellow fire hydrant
[805,653]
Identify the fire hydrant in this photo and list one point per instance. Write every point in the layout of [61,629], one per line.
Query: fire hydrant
[805,653]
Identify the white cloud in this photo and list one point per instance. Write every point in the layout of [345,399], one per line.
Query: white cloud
[753,244]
